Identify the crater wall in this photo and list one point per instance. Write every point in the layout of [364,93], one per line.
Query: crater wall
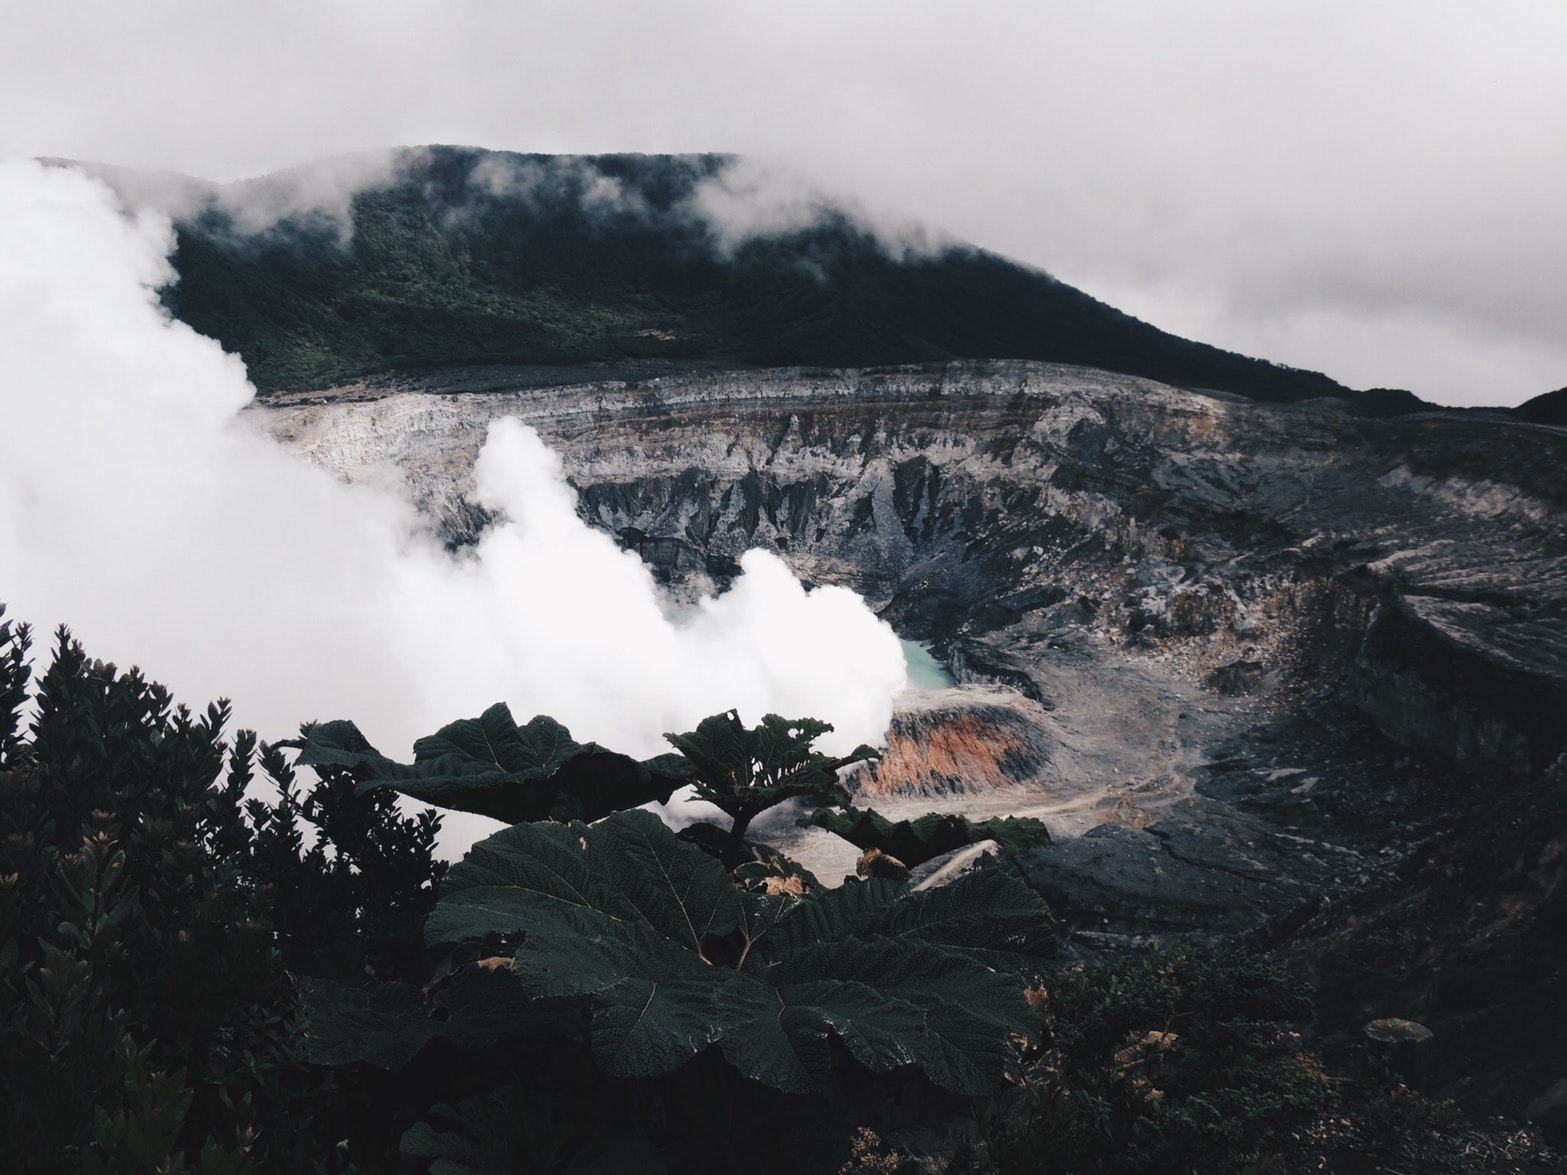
[1282,676]
[1001,511]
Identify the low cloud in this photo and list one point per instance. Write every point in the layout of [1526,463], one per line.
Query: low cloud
[321,191]
[324,189]
[136,507]
[731,200]
[1228,151]
[532,179]
[751,198]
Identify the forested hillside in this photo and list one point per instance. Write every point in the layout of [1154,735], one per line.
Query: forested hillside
[465,256]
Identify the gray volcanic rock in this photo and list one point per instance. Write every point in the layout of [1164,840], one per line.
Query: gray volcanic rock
[1159,568]
[1205,869]
[1003,510]
[1281,674]
[1284,676]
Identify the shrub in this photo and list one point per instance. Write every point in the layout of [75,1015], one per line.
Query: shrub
[1174,1064]
[145,1017]
[147,1021]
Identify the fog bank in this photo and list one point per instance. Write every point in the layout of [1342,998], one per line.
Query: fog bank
[135,507]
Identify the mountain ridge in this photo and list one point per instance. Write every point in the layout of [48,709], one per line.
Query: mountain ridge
[452,256]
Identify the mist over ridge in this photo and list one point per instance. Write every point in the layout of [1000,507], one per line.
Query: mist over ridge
[445,256]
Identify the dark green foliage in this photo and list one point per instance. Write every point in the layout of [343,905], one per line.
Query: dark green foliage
[187,985]
[145,1018]
[676,959]
[746,770]
[150,906]
[1173,1065]
[916,841]
[533,1111]
[15,641]
[620,949]
[988,913]
[387,1024]
[513,1131]
[1404,1131]
[445,268]
[352,904]
[492,766]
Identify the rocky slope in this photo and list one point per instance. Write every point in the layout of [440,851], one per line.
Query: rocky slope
[1284,672]
[996,508]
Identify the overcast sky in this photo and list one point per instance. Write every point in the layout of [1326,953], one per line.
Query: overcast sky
[1370,189]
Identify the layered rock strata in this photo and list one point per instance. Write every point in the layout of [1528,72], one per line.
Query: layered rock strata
[1278,674]
[1153,568]
[1007,512]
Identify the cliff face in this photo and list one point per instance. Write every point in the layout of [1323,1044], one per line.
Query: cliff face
[1005,510]
[1281,673]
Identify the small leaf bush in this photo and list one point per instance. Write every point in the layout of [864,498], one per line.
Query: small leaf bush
[1174,1064]
[148,1019]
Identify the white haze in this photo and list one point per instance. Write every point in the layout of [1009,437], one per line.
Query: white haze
[321,188]
[137,508]
[1373,190]
[747,197]
[753,197]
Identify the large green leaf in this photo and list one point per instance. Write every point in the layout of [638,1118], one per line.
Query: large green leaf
[745,771]
[916,841]
[494,767]
[675,959]
[989,913]
[511,1129]
[386,1024]
[853,910]
[942,1010]
[623,876]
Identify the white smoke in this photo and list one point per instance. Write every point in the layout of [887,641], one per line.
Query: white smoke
[746,198]
[752,197]
[325,188]
[322,190]
[135,507]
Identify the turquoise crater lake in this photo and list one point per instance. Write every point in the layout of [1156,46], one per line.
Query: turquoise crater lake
[925,672]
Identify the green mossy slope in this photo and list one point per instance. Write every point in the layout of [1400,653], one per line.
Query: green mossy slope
[466,256]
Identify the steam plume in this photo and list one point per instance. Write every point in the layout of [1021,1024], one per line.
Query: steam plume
[134,506]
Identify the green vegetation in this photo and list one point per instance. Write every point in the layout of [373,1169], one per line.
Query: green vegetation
[599,259]
[196,979]
[493,767]
[1175,1065]
[148,1021]
[745,772]
[913,842]
[673,957]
